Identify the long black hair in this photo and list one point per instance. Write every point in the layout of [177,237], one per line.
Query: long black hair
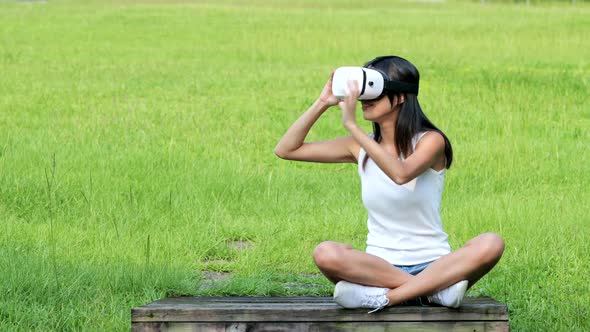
[411,120]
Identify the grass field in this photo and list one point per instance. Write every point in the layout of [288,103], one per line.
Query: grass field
[136,149]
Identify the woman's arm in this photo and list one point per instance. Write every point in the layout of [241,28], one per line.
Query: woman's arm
[429,150]
[293,147]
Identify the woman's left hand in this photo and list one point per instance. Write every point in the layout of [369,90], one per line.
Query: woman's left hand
[348,105]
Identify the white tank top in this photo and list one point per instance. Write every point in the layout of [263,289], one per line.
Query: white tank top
[404,221]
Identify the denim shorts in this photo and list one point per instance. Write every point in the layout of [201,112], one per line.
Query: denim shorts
[413,269]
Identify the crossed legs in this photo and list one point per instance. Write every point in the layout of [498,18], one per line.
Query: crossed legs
[477,257]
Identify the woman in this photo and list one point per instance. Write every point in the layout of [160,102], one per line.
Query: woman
[402,167]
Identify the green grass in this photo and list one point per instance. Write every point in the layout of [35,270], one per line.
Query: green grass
[136,143]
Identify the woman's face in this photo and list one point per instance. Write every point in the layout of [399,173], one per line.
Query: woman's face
[379,110]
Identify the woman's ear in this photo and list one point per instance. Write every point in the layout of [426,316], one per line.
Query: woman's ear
[401,98]
[398,100]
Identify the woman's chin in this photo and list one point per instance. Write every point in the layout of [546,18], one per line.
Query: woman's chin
[367,116]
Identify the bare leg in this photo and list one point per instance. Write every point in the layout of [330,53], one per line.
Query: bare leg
[339,261]
[471,262]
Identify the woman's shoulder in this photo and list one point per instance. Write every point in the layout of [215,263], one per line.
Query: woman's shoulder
[433,137]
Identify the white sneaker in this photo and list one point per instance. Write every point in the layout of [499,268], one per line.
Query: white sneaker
[351,295]
[451,296]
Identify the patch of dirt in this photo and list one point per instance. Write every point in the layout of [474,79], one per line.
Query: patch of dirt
[209,278]
[239,245]
[214,275]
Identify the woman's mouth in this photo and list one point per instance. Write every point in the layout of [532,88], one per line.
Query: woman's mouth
[366,106]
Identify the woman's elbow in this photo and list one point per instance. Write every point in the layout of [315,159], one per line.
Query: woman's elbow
[400,180]
[280,153]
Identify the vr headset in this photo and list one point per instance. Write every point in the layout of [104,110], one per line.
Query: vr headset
[372,83]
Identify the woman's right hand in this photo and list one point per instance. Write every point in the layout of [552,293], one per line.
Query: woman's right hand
[327,97]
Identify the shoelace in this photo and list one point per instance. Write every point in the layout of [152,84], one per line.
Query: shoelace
[376,303]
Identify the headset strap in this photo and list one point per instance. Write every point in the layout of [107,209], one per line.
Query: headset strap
[397,86]
[393,86]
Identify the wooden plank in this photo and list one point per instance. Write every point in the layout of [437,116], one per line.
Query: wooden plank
[271,309]
[487,326]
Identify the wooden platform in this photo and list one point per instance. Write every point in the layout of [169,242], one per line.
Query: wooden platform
[241,314]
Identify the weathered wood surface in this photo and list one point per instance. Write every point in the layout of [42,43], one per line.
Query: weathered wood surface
[489,326]
[311,314]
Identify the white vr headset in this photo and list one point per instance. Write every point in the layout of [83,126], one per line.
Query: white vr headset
[372,83]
